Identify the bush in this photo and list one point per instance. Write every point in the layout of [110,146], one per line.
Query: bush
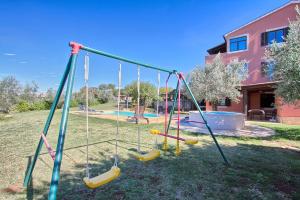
[73,103]
[48,104]
[60,105]
[40,105]
[23,106]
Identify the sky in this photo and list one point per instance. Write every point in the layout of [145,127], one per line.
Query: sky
[173,34]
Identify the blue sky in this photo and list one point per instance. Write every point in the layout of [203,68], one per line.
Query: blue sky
[34,35]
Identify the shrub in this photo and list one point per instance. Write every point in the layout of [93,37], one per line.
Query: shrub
[60,105]
[23,106]
[40,105]
[48,104]
[73,103]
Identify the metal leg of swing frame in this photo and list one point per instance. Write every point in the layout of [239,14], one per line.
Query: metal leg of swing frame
[207,126]
[62,132]
[165,145]
[28,174]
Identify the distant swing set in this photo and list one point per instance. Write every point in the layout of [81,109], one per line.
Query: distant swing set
[115,171]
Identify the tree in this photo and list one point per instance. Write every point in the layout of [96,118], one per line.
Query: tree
[106,92]
[148,92]
[49,98]
[217,81]
[50,94]
[9,93]
[162,90]
[286,63]
[104,96]
[81,95]
[29,92]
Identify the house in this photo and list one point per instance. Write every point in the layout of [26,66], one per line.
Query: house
[248,43]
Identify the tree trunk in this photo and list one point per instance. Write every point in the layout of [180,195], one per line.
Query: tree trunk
[214,106]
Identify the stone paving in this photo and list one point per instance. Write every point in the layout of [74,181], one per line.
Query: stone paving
[249,130]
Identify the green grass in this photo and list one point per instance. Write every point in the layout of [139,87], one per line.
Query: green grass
[284,131]
[260,168]
[106,106]
[4,117]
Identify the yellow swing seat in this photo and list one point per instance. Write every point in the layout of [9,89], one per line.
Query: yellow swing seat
[102,179]
[190,141]
[153,154]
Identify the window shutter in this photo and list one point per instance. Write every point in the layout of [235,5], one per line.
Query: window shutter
[227,102]
[264,68]
[264,39]
[286,32]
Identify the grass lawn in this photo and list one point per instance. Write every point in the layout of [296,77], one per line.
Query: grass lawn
[260,168]
[106,106]
[290,132]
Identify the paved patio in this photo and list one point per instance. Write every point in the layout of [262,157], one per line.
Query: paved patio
[248,131]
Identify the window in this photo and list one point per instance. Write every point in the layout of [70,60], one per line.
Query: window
[267,100]
[274,36]
[224,102]
[241,72]
[238,44]
[267,69]
[244,71]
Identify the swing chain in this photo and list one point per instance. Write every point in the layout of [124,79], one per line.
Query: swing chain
[86,78]
[138,108]
[157,104]
[118,113]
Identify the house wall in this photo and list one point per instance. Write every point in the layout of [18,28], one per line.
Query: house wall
[234,107]
[287,113]
[255,52]
[254,55]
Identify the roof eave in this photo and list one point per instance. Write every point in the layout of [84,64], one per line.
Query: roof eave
[263,16]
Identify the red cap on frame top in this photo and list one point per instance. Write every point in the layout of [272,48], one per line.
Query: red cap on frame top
[75,47]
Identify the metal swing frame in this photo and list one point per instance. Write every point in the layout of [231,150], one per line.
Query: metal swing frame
[68,76]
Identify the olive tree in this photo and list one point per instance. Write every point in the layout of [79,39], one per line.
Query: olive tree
[218,80]
[148,92]
[286,67]
[9,93]
[106,92]
[30,92]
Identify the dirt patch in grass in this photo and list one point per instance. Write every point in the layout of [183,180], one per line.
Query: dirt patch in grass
[13,189]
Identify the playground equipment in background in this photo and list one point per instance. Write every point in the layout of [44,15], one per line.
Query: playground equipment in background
[68,77]
[138,114]
[177,99]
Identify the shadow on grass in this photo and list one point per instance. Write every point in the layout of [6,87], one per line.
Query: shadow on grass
[256,172]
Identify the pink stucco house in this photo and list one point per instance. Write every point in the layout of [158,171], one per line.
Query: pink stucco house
[248,42]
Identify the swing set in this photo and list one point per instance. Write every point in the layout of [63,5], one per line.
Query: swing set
[114,172]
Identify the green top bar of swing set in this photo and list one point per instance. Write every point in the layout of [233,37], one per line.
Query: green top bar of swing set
[125,59]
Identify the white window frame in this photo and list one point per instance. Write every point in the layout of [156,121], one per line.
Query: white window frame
[234,37]
[277,28]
